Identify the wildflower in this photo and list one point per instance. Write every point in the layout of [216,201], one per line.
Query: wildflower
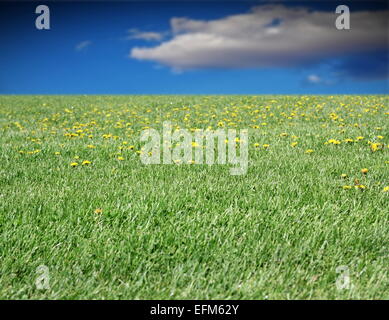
[375,146]
[332,141]
[98,211]
[364,170]
[266,145]
[380,137]
[348,140]
[76,157]
[256,145]
[57,153]
[360,187]
[74,164]
[343,175]
[347,187]
[283,134]
[91,146]
[385,189]
[120,158]
[86,162]
[293,144]
[308,151]
[360,138]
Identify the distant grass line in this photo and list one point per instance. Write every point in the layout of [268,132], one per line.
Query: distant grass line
[118,229]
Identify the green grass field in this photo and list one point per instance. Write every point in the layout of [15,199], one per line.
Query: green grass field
[115,228]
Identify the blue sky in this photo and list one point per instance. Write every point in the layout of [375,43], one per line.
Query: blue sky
[136,48]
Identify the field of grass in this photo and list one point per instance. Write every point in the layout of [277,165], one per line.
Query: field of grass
[75,198]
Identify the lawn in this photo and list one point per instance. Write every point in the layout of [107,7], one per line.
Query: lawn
[78,207]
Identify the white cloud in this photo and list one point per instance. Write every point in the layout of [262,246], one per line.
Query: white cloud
[83,45]
[267,36]
[144,35]
[313,78]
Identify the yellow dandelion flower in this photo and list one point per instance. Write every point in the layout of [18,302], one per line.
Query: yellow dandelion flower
[98,211]
[86,162]
[343,175]
[293,144]
[385,189]
[256,145]
[364,170]
[266,145]
[308,151]
[120,158]
[360,187]
[74,164]
[375,146]
[347,187]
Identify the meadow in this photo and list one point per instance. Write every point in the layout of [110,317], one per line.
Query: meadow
[309,220]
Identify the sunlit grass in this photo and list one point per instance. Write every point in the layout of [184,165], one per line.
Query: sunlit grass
[75,197]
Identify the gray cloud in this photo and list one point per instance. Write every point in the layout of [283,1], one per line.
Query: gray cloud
[267,36]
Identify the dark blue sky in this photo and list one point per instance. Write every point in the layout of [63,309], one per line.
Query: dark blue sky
[87,51]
